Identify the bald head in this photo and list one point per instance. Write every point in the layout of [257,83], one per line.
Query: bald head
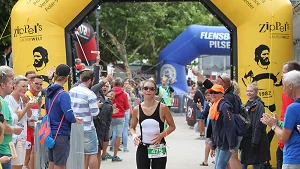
[223,80]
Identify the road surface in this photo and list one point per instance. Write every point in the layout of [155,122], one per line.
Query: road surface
[184,151]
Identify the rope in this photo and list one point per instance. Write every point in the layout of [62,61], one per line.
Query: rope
[117,57]
[5,36]
[5,27]
[76,34]
[170,54]
[270,70]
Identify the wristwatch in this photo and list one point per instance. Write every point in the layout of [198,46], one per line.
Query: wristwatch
[273,127]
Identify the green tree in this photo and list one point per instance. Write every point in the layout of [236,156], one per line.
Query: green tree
[136,31]
[6,7]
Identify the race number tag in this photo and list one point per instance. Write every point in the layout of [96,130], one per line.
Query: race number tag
[157,151]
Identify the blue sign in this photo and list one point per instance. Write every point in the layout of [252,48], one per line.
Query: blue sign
[195,41]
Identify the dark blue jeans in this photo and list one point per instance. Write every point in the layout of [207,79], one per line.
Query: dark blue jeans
[8,164]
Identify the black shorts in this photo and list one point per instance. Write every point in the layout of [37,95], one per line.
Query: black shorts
[102,134]
[60,152]
[143,162]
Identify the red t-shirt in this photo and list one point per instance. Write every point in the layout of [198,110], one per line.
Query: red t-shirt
[286,101]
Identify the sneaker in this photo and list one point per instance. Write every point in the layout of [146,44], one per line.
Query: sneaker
[108,156]
[201,138]
[125,150]
[116,159]
[111,149]
[104,157]
[119,149]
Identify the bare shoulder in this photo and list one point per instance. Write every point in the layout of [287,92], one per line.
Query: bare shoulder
[136,108]
[164,108]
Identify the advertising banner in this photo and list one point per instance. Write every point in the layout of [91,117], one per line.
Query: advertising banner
[39,35]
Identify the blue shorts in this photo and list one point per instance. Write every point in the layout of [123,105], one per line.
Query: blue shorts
[90,142]
[60,152]
[199,115]
[118,123]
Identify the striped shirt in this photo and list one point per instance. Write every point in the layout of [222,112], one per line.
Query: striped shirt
[84,104]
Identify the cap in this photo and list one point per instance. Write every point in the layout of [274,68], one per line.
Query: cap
[62,70]
[216,88]
[85,69]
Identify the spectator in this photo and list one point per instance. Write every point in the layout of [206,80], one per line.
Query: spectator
[79,77]
[288,133]
[127,89]
[121,101]
[6,76]
[255,148]
[225,82]
[223,139]
[34,93]
[5,55]
[288,66]
[199,101]
[59,154]
[205,111]
[3,159]
[102,124]
[20,109]
[86,106]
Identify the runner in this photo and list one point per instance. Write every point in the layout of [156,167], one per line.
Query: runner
[151,116]
[165,93]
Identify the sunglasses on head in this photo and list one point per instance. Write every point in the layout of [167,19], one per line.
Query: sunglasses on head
[214,92]
[149,88]
[221,79]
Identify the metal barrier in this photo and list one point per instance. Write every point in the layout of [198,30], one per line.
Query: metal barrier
[76,157]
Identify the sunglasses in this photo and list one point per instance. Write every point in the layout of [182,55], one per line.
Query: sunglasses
[149,88]
[214,92]
[221,79]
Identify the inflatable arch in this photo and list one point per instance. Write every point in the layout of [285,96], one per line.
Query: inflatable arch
[261,38]
[196,40]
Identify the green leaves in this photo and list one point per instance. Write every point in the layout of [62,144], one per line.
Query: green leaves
[6,7]
[147,28]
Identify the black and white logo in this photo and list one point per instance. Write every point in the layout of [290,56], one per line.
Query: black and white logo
[168,71]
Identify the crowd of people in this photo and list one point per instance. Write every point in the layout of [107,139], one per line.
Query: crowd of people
[216,106]
[109,109]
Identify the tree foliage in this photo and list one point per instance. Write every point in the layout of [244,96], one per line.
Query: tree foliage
[6,7]
[135,31]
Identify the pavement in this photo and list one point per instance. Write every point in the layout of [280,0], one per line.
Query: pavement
[184,150]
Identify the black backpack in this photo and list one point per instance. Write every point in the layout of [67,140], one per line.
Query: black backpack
[242,119]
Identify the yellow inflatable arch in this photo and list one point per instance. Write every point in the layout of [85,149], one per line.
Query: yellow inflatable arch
[261,39]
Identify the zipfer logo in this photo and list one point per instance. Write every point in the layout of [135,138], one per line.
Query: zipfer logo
[27,30]
[277,26]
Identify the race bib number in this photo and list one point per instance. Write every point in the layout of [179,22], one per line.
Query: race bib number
[157,151]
